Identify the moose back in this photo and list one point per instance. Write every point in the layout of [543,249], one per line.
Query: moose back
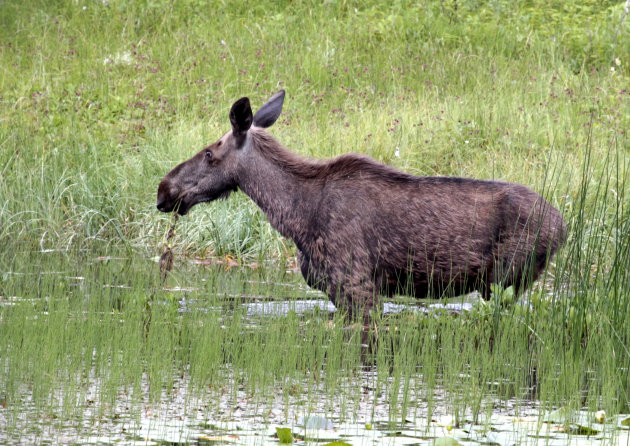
[364,229]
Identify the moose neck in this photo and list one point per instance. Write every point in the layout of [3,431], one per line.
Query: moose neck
[283,196]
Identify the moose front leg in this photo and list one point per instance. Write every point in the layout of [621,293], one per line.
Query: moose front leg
[314,276]
[355,295]
[352,289]
[358,299]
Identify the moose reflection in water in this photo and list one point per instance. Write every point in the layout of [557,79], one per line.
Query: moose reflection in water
[364,229]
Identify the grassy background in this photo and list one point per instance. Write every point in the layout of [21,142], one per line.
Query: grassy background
[99,99]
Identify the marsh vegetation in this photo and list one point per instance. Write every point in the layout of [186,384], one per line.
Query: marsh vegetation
[98,100]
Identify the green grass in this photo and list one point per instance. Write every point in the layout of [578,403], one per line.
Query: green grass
[98,100]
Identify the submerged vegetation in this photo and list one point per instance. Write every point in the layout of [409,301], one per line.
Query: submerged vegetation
[99,99]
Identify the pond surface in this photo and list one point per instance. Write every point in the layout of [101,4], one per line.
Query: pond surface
[96,349]
[239,418]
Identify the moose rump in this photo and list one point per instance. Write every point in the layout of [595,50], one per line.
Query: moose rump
[365,229]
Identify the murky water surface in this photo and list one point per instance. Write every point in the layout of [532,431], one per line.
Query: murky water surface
[239,418]
[364,408]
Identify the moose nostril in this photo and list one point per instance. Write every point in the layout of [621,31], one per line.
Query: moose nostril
[161,205]
[166,196]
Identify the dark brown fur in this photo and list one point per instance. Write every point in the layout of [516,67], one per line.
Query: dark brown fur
[364,229]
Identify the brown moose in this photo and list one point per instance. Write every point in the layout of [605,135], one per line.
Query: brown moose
[364,229]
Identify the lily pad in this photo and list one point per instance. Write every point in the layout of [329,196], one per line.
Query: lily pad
[316,422]
[220,439]
[574,422]
[559,416]
[284,435]
[578,429]
[446,441]
[504,438]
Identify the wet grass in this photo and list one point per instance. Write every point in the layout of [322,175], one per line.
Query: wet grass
[81,333]
[92,120]
[99,99]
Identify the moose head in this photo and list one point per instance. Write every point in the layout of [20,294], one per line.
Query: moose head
[213,172]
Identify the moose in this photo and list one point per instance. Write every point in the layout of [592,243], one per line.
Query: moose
[364,229]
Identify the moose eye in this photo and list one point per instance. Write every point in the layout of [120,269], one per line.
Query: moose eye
[208,155]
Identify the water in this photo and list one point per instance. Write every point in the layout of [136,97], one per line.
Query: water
[216,417]
[95,348]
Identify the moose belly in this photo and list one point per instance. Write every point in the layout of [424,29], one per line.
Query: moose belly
[433,283]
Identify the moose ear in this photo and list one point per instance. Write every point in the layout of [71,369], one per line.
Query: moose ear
[268,113]
[241,116]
